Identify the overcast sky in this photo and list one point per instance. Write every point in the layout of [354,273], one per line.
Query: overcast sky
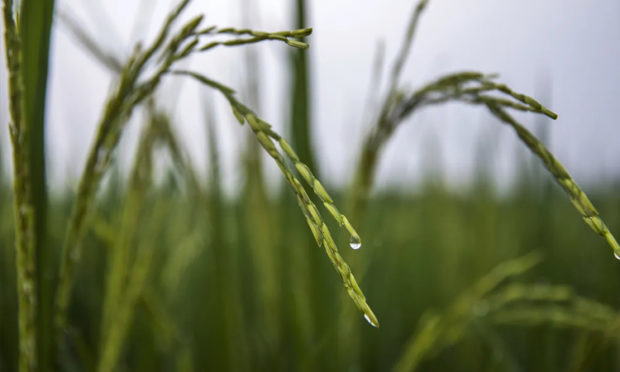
[564,52]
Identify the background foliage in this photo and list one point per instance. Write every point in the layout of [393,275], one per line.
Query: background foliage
[176,275]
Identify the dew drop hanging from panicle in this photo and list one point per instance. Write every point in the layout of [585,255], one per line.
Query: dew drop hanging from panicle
[370,321]
[355,242]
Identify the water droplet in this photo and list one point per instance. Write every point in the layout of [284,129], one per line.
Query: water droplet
[370,321]
[617,255]
[355,242]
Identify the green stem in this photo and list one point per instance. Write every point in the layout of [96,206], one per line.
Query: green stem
[35,30]
[25,229]
[300,97]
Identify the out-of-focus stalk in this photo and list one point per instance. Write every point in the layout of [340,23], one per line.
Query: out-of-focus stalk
[25,229]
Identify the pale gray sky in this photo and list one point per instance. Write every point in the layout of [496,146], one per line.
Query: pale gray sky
[571,44]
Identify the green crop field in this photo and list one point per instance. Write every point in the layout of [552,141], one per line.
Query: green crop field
[162,269]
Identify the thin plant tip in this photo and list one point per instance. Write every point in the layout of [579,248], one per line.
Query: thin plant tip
[302,32]
[371,319]
[205,31]
[297,44]
[611,240]
[550,114]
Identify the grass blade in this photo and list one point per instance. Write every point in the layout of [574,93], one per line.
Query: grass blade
[24,213]
[300,96]
[35,29]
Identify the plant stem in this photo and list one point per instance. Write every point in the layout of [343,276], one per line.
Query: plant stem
[25,232]
[35,30]
[300,96]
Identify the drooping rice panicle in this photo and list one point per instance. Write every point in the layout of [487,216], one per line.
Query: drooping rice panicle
[287,37]
[471,87]
[579,199]
[302,32]
[523,98]
[320,231]
[317,187]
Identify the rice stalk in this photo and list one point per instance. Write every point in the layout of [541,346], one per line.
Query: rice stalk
[265,136]
[180,260]
[579,199]
[454,87]
[319,190]
[474,88]
[514,304]
[458,87]
[439,330]
[128,93]
[111,62]
[162,322]
[403,53]
[287,37]
[24,213]
[136,283]
[120,253]
[300,96]
[125,283]
[179,156]
[365,171]
[228,317]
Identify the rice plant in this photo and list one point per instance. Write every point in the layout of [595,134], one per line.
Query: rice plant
[24,208]
[473,88]
[517,303]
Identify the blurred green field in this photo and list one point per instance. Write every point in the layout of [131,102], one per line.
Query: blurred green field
[240,285]
[159,269]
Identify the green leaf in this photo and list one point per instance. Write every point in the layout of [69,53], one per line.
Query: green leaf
[35,21]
